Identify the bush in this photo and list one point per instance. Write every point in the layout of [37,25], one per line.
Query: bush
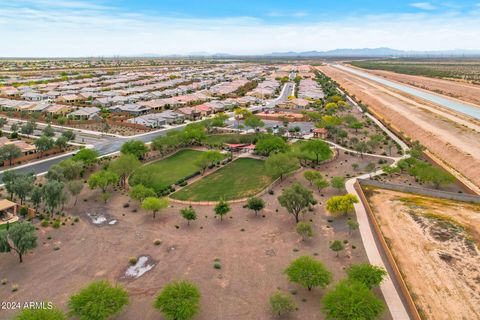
[44,223]
[178,301]
[40,314]
[281,304]
[217,265]
[157,242]
[56,224]
[98,301]
[132,260]
[23,211]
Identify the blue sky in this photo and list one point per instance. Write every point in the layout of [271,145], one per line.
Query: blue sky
[106,27]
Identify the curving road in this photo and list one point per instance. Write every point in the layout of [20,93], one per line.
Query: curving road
[109,144]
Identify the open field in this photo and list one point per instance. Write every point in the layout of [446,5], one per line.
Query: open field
[252,260]
[451,138]
[241,178]
[162,173]
[466,70]
[456,89]
[435,243]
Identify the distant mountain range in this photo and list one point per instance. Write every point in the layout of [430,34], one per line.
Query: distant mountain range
[345,53]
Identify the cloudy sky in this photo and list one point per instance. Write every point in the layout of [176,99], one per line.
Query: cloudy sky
[60,28]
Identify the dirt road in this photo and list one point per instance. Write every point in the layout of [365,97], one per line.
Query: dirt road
[450,137]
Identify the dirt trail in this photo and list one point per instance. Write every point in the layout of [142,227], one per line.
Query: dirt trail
[461,90]
[431,240]
[448,137]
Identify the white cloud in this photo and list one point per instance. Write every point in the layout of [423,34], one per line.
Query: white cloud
[66,31]
[423,5]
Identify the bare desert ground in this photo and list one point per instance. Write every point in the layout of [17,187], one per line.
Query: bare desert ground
[451,138]
[253,252]
[435,243]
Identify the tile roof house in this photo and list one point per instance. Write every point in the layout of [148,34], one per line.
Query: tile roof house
[85,113]
[131,108]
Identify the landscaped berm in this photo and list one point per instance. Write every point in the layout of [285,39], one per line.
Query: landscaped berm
[163,173]
[241,178]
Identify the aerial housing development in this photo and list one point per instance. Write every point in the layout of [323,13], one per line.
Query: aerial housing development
[302,183]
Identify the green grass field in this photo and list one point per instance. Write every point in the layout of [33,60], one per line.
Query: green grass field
[163,173]
[241,178]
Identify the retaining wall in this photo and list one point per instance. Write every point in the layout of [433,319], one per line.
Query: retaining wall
[422,191]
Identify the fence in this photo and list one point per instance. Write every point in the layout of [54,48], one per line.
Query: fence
[422,191]
[388,254]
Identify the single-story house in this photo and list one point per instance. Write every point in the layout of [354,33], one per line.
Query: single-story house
[190,113]
[130,108]
[84,113]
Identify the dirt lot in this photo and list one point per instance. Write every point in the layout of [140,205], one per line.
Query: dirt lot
[456,89]
[435,243]
[252,260]
[454,140]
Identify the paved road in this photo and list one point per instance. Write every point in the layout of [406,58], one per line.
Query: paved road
[109,144]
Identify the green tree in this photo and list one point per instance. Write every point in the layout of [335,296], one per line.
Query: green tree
[339,205]
[61,143]
[69,135]
[188,214]
[351,300]
[352,225]
[338,183]
[102,179]
[9,177]
[139,192]
[281,304]
[27,128]
[123,166]
[268,144]
[312,175]
[75,187]
[320,183]
[23,185]
[44,143]
[337,246]
[154,204]
[254,122]
[48,131]
[98,301]
[295,199]
[367,274]
[318,148]
[305,230]
[277,165]
[255,204]
[87,156]
[36,197]
[14,127]
[308,272]
[20,238]
[9,152]
[221,208]
[40,314]
[53,194]
[178,301]
[135,147]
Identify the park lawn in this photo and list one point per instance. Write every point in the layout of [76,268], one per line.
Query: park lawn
[295,147]
[241,178]
[4,226]
[165,172]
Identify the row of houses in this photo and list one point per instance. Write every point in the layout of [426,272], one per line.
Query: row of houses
[156,120]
